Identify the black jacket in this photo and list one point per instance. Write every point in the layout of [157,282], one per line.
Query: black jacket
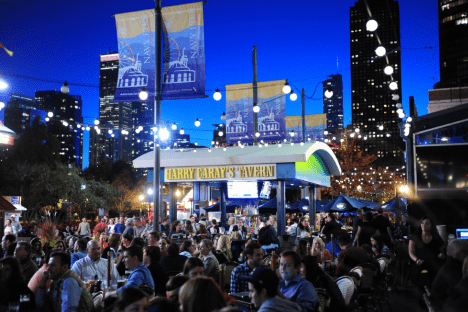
[267,236]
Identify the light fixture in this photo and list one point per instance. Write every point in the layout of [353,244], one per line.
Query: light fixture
[196,143]
[257,134]
[372,25]
[380,127]
[217,95]
[325,132]
[302,143]
[87,128]
[293,96]
[224,149]
[223,116]
[150,191]
[409,119]
[220,133]
[174,126]
[212,142]
[98,131]
[380,51]
[395,97]
[388,70]
[96,121]
[50,114]
[286,88]
[143,94]
[47,119]
[140,128]
[209,150]
[65,89]
[256,108]
[399,111]
[110,131]
[182,131]
[398,105]
[291,133]
[197,122]
[65,123]
[164,134]
[357,130]
[3,85]
[328,93]
[393,85]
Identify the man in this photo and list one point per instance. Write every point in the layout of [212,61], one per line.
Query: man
[7,241]
[16,223]
[23,254]
[165,228]
[351,257]
[173,261]
[138,229]
[293,228]
[458,300]
[331,227]
[385,227]
[84,228]
[80,250]
[214,228]
[193,219]
[133,260]
[293,286]
[267,236]
[210,262]
[67,292]
[357,221]
[263,291]
[119,226]
[149,226]
[129,228]
[93,265]
[254,255]
[153,238]
[449,275]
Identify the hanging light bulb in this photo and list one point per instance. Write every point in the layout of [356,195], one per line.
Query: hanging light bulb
[293,96]
[96,121]
[223,116]
[380,51]
[65,89]
[110,131]
[409,119]
[291,133]
[286,88]
[197,122]
[393,85]
[220,133]
[328,93]
[50,114]
[143,94]
[372,25]
[88,128]
[65,123]
[257,134]
[302,143]
[182,131]
[357,130]
[47,119]
[164,134]
[395,97]
[388,70]
[217,95]
[209,150]
[256,108]
[174,126]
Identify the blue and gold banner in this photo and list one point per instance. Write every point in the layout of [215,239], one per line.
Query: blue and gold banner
[135,35]
[239,111]
[315,126]
[184,52]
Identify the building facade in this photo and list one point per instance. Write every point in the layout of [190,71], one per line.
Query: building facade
[20,111]
[373,100]
[333,106]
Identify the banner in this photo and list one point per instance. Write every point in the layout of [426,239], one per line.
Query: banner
[183,60]
[315,126]
[184,52]
[135,35]
[239,112]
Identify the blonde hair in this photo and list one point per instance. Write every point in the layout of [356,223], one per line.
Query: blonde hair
[322,244]
[233,220]
[224,246]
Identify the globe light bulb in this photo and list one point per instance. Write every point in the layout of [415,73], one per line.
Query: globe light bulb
[220,133]
[395,97]
[65,89]
[110,131]
[257,134]
[256,109]
[223,116]
[50,114]
[197,122]
[88,128]
[388,70]
[380,127]
[372,25]
[217,95]
[174,126]
[328,93]
[286,88]
[380,51]
[47,119]
[96,121]
[293,96]
[393,85]
[182,131]
[164,134]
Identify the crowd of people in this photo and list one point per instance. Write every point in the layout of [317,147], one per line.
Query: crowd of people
[177,267]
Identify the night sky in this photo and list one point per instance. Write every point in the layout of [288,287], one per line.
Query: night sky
[299,40]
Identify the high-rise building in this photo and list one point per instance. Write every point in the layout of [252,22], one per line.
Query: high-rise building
[453,39]
[67,114]
[20,111]
[373,91]
[333,105]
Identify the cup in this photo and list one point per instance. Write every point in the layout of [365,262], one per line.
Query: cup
[121,283]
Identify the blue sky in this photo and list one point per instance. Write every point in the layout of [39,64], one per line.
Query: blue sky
[299,40]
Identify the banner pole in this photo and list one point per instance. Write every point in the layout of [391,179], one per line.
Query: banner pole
[157,116]
[255,93]
[303,115]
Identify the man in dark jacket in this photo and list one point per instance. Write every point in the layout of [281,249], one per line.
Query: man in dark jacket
[267,236]
[23,254]
[331,227]
[173,261]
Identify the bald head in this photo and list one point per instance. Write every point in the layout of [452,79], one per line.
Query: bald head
[458,249]
[94,250]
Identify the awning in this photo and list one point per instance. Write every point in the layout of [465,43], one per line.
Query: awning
[19,207]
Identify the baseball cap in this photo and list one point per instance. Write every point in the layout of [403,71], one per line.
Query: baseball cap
[202,223]
[263,276]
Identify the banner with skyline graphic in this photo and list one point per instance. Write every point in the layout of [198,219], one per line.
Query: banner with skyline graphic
[239,112]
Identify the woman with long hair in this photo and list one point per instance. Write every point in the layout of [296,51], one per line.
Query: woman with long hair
[162,244]
[303,229]
[318,250]
[224,248]
[189,227]
[151,257]
[113,247]
[201,295]
[176,229]
[187,249]
[12,284]
[301,247]
[202,231]
[60,245]
[36,251]
[378,246]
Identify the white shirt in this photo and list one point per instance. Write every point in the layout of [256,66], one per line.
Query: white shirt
[10,230]
[86,268]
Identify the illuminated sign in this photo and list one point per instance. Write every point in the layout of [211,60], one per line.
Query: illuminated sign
[6,139]
[221,173]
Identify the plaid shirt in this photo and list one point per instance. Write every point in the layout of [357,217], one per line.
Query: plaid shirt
[236,284]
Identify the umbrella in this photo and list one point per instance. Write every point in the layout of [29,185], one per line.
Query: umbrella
[303,205]
[271,207]
[391,204]
[343,203]
[370,204]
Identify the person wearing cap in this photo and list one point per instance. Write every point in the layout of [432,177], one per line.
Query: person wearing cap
[293,286]
[15,223]
[263,292]
[267,236]
[254,255]
[129,229]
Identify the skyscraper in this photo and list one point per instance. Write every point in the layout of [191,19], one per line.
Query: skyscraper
[67,113]
[373,92]
[453,39]
[333,106]
[20,112]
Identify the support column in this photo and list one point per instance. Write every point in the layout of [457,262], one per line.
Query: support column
[281,212]
[312,206]
[172,202]
[222,204]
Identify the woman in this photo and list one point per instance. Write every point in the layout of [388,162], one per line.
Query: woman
[319,251]
[60,245]
[202,231]
[176,229]
[162,244]
[241,228]
[189,227]
[151,257]
[187,249]
[311,271]
[195,290]
[110,227]
[303,229]
[9,228]
[301,247]
[170,302]
[366,230]
[36,251]
[114,243]
[231,223]
[12,284]
[426,248]
[223,249]
[378,246]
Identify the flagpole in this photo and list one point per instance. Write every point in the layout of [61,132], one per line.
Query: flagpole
[157,117]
